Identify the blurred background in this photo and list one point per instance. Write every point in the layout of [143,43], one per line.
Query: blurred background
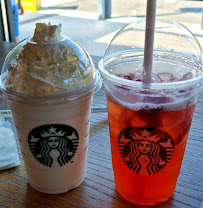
[92,23]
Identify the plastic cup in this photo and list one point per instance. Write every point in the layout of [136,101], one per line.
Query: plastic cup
[53,130]
[149,126]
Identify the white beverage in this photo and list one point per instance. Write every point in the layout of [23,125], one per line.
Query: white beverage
[49,81]
[75,117]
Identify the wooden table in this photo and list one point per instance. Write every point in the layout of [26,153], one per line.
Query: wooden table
[98,189]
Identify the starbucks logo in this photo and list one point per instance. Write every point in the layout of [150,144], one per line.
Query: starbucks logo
[53,145]
[144,150]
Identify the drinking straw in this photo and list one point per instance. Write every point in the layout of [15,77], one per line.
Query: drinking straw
[149,41]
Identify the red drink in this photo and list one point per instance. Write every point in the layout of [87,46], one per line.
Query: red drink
[148,132]
[147,148]
[149,123]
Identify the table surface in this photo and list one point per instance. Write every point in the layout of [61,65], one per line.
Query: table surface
[98,188]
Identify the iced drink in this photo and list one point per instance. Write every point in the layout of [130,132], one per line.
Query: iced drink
[149,126]
[49,81]
[152,134]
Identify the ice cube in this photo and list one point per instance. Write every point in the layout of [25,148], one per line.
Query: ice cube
[186,76]
[167,77]
[155,78]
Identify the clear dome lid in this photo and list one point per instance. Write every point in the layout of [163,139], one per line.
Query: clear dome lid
[173,43]
[60,69]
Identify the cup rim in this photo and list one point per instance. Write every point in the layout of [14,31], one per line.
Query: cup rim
[170,86]
[59,98]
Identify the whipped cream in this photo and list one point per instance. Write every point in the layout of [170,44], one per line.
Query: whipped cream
[47,33]
[49,63]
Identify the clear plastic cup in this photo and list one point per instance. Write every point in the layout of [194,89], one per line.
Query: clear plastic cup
[52,125]
[149,127]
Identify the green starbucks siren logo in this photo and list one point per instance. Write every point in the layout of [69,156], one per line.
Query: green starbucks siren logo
[53,145]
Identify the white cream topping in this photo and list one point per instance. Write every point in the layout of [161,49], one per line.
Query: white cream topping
[47,33]
[48,65]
